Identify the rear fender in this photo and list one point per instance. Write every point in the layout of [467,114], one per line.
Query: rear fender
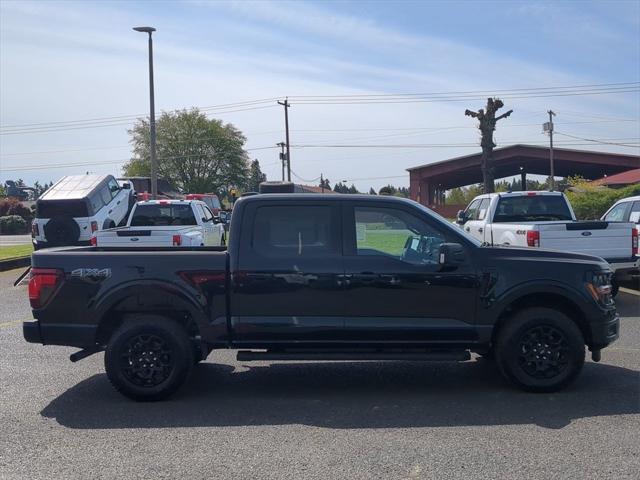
[155,296]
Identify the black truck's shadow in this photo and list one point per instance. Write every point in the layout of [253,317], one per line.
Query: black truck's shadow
[351,395]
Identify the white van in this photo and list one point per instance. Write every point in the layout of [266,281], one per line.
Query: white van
[76,206]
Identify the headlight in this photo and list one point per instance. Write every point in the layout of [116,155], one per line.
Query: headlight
[599,287]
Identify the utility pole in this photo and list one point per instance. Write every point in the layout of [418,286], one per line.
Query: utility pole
[548,127]
[322,183]
[282,157]
[286,105]
[152,115]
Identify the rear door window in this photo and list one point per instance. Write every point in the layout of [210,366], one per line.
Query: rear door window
[634,215]
[295,231]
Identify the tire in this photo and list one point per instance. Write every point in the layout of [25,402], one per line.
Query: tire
[61,231]
[128,366]
[520,360]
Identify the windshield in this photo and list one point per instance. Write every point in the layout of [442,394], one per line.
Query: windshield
[152,215]
[532,208]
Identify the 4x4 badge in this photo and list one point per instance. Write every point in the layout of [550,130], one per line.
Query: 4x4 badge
[94,274]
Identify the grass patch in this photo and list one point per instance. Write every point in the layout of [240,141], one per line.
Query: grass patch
[15,251]
[387,241]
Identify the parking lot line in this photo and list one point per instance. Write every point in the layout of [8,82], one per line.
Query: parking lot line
[630,291]
[13,322]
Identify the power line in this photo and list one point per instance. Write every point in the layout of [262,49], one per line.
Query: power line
[111,124]
[108,162]
[535,92]
[604,142]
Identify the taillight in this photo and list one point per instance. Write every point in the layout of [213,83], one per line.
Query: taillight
[533,238]
[94,241]
[177,240]
[44,282]
[35,230]
[634,242]
[94,226]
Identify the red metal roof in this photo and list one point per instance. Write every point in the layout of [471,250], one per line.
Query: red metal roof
[625,178]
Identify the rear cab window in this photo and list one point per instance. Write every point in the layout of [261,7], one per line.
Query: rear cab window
[532,208]
[158,215]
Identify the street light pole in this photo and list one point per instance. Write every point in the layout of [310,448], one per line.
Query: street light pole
[152,115]
[551,177]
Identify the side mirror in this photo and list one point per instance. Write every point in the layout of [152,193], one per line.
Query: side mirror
[216,219]
[450,256]
[461,217]
[224,218]
[126,186]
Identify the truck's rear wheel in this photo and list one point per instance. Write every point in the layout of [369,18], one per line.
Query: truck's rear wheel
[148,358]
[540,350]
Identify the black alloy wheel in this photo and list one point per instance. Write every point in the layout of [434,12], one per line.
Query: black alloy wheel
[147,360]
[543,352]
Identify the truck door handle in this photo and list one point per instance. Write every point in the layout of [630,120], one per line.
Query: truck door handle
[480,230]
[467,229]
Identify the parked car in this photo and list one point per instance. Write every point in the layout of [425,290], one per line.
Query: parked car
[165,223]
[77,206]
[211,199]
[546,220]
[325,277]
[627,210]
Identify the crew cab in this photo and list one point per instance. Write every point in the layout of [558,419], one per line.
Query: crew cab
[165,223]
[324,277]
[546,220]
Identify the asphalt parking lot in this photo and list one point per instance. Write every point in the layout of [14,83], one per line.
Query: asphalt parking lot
[314,420]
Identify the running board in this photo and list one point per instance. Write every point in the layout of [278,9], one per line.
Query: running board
[435,356]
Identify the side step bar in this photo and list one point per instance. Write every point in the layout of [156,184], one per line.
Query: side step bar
[428,356]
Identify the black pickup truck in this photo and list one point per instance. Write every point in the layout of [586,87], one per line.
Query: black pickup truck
[334,277]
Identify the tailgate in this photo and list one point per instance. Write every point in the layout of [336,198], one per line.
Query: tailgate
[139,237]
[602,239]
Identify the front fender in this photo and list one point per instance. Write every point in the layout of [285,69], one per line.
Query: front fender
[501,300]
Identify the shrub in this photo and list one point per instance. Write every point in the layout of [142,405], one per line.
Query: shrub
[590,202]
[12,206]
[12,225]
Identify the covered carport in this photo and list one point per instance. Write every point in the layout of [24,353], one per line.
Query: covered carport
[429,182]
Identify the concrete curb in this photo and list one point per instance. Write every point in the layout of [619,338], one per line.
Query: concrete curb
[12,263]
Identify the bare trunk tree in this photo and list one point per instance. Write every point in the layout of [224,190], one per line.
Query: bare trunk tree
[487,124]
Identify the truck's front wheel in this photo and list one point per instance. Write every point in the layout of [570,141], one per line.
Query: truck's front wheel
[540,350]
[148,358]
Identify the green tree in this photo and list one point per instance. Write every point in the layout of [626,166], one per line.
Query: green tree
[372,191]
[194,152]
[325,183]
[3,192]
[590,201]
[256,177]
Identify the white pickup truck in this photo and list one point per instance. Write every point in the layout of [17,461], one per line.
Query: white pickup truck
[165,223]
[546,220]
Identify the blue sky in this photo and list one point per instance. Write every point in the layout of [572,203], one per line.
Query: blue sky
[62,61]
